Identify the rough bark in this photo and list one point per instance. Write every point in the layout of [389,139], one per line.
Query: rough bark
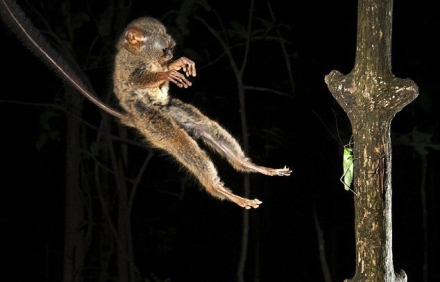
[371,96]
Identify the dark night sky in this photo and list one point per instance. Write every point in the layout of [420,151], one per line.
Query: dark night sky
[206,232]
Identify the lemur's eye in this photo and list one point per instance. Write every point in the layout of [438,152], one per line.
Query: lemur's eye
[167,50]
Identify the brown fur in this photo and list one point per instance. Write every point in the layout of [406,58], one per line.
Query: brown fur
[143,70]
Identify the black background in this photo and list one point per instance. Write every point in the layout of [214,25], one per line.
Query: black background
[203,234]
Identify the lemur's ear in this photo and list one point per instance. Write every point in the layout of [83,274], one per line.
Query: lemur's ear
[134,37]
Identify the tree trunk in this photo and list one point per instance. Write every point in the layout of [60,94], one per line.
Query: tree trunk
[125,256]
[371,96]
[74,236]
[246,185]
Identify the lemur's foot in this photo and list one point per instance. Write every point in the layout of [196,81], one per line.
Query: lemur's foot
[285,171]
[251,167]
[248,204]
[224,193]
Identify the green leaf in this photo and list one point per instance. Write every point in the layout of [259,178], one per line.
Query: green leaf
[41,141]
[95,147]
[77,20]
[238,29]
[55,135]
[44,119]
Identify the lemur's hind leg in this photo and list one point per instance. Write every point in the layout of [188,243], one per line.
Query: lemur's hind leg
[217,138]
[163,133]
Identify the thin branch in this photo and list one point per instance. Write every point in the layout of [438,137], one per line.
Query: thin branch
[263,89]
[104,167]
[138,178]
[248,38]
[224,45]
[104,207]
[284,49]
[321,245]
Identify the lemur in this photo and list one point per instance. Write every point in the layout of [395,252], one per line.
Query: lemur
[143,69]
